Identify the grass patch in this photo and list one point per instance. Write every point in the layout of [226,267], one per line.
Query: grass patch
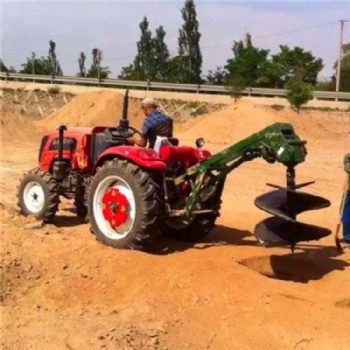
[277,107]
[199,110]
[54,89]
[322,109]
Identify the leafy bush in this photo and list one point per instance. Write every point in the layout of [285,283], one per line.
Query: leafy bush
[299,93]
[235,86]
[277,107]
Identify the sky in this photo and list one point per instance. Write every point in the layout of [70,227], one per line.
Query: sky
[113,27]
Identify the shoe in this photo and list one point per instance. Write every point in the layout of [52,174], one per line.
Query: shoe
[343,240]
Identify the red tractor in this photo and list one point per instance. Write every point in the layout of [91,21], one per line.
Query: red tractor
[124,189]
[129,193]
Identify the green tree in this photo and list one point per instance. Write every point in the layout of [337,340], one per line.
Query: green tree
[249,64]
[190,69]
[81,62]
[44,65]
[96,65]
[130,73]
[144,60]
[37,65]
[235,86]
[299,93]
[160,56]
[216,77]
[55,68]
[344,69]
[328,85]
[174,66]
[288,61]
[143,67]
[3,67]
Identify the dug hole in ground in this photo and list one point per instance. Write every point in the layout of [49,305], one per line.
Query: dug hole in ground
[60,289]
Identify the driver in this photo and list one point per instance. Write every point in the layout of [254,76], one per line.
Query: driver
[155,124]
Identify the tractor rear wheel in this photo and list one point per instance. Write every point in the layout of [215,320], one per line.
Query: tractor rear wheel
[199,226]
[195,231]
[123,205]
[38,195]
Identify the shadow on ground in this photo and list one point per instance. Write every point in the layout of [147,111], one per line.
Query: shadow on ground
[312,262]
[309,265]
[219,236]
[68,221]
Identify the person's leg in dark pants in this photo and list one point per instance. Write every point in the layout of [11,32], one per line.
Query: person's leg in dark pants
[346,219]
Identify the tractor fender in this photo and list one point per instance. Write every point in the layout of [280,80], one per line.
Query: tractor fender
[143,157]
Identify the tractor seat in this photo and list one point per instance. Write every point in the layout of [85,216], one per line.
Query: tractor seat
[185,155]
[163,140]
[174,141]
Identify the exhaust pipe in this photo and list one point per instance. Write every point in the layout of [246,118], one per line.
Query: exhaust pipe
[60,166]
[61,130]
[123,122]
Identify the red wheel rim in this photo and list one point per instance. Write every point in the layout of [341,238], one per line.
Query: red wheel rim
[114,205]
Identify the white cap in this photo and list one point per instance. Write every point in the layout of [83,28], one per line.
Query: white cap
[148,101]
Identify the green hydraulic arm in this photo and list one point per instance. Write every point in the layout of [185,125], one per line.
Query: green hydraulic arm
[276,143]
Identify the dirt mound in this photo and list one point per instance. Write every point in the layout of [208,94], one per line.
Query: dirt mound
[94,108]
[16,127]
[243,118]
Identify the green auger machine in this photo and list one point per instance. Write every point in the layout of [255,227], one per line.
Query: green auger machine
[286,203]
[129,193]
[275,143]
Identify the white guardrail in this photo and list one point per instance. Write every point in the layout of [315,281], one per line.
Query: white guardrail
[206,88]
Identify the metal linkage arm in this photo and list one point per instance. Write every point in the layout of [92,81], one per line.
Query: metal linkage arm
[278,142]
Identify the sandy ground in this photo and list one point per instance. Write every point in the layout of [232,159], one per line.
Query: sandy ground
[60,289]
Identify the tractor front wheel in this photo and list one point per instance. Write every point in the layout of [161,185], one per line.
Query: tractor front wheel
[79,200]
[38,195]
[123,205]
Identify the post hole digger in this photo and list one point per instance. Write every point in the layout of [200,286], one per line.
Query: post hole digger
[130,193]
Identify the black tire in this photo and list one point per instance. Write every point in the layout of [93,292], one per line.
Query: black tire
[39,180]
[79,201]
[195,231]
[145,194]
[199,226]
[80,208]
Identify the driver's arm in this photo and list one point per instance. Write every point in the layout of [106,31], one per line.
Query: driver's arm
[138,140]
[141,141]
[143,137]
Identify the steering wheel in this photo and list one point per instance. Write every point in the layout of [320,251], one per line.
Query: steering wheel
[128,132]
[134,130]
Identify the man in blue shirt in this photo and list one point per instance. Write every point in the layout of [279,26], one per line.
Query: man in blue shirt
[155,124]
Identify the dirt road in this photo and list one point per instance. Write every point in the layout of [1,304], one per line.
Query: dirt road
[60,289]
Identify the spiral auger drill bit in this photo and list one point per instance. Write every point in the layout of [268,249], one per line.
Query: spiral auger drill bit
[285,203]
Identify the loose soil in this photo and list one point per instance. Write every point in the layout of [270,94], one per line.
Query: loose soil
[60,289]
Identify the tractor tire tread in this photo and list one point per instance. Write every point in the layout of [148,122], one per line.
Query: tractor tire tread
[52,193]
[147,191]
